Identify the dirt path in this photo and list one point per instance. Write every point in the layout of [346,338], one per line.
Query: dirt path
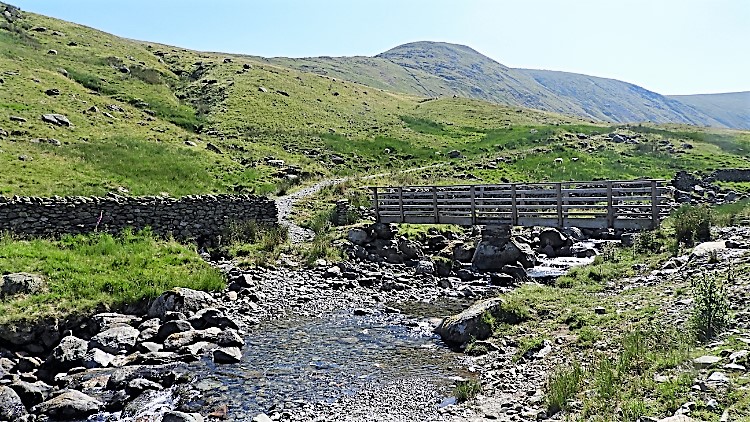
[285,203]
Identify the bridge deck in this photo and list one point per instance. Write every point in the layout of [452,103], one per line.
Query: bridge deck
[638,204]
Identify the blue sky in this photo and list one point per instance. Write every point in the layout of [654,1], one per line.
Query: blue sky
[668,46]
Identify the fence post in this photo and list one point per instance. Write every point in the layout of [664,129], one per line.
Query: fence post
[473,206]
[654,205]
[435,204]
[558,189]
[610,206]
[513,205]
[376,203]
[401,203]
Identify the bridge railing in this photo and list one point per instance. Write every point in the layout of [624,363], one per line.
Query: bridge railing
[634,204]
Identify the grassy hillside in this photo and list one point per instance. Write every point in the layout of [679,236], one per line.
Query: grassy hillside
[143,115]
[613,100]
[730,109]
[440,69]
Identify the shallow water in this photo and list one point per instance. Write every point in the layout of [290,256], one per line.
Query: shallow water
[320,360]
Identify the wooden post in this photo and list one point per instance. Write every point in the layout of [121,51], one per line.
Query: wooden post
[473,206]
[558,189]
[376,203]
[513,205]
[654,205]
[435,204]
[610,206]
[401,203]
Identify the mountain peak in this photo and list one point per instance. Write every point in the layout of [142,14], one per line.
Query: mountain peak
[437,52]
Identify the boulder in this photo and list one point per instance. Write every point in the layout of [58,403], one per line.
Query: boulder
[425,266]
[359,236]
[31,393]
[116,340]
[11,406]
[97,358]
[212,317]
[180,300]
[175,416]
[501,279]
[56,119]
[492,255]
[473,322]
[171,327]
[213,148]
[69,353]
[384,231]
[227,355]
[463,252]
[410,249]
[71,404]
[107,320]
[21,283]
[178,340]
[552,237]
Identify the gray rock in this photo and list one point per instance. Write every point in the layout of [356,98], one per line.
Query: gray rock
[31,393]
[180,300]
[171,327]
[359,236]
[71,404]
[472,322]
[212,317]
[493,255]
[385,231]
[97,358]
[552,237]
[116,340]
[501,279]
[11,406]
[175,416]
[410,249]
[463,252]
[230,338]
[107,320]
[56,119]
[262,417]
[69,353]
[705,362]
[213,148]
[178,340]
[227,355]
[425,266]
[21,283]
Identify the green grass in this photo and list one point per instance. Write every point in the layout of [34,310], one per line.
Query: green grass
[730,214]
[100,271]
[465,390]
[166,103]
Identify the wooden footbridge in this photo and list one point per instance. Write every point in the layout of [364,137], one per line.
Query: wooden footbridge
[638,204]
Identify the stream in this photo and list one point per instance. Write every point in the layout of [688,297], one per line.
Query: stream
[297,364]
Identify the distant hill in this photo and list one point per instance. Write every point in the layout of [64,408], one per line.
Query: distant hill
[730,109]
[613,100]
[442,69]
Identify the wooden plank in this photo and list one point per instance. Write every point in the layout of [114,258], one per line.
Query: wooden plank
[513,205]
[435,204]
[401,202]
[654,206]
[473,206]
[375,204]
[558,193]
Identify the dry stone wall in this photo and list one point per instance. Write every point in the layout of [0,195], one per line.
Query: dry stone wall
[194,217]
[731,175]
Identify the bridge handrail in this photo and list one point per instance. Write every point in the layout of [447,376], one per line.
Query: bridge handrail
[604,203]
